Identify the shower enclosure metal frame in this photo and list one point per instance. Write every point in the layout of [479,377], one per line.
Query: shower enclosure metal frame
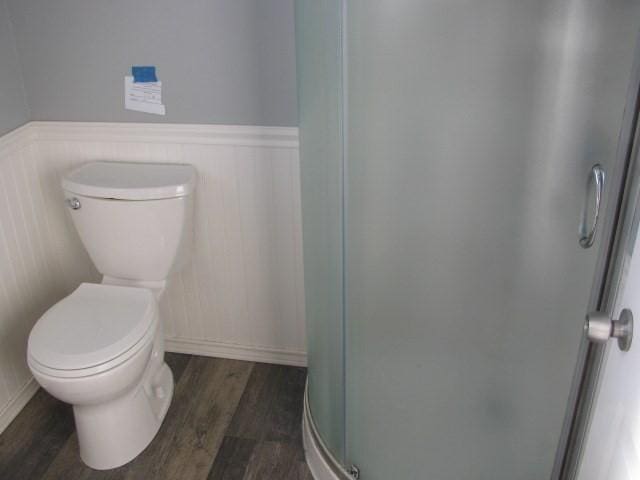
[620,231]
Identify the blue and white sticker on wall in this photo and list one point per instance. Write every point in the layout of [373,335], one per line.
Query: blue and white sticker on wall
[143,91]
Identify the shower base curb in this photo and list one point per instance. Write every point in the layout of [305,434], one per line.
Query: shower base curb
[322,464]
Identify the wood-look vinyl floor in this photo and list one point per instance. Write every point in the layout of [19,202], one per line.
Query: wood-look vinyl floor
[229,420]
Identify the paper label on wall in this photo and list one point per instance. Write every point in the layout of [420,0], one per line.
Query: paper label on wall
[143,96]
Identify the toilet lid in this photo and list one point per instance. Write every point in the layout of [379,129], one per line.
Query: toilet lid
[93,325]
[131,181]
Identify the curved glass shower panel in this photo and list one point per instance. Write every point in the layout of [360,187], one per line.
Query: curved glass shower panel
[472,128]
[319,63]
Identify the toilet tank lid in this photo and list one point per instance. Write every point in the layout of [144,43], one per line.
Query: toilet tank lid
[131,181]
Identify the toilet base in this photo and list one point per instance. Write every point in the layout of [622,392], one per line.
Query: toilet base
[114,433]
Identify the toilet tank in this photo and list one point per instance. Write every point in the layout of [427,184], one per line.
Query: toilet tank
[134,219]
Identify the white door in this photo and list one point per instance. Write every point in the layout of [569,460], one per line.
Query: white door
[612,449]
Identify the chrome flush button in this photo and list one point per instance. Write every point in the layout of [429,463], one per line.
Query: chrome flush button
[73,203]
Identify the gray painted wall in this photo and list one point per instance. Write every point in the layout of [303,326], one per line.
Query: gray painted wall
[220,61]
[13,106]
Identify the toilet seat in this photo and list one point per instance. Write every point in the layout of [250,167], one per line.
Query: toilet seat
[92,330]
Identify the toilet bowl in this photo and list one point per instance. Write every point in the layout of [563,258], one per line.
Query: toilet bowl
[101,349]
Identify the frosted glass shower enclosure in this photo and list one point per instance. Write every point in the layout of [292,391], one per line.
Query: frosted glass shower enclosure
[446,148]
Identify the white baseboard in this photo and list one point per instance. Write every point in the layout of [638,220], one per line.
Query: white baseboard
[236,352]
[17,403]
[194,347]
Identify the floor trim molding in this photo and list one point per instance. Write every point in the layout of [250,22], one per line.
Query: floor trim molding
[208,348]
[178,345]
[322,464]
[13,407]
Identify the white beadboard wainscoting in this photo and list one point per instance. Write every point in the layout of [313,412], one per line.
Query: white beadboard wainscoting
[241,296]
[39,261]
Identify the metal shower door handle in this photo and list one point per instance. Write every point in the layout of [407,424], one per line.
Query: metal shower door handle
[600,328]
[595,183]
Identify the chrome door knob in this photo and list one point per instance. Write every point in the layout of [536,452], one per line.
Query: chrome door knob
[600,328]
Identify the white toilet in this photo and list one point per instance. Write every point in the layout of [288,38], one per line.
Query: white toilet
[101,349]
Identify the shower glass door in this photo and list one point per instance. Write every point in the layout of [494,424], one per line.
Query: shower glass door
[472,127]
[320,91]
